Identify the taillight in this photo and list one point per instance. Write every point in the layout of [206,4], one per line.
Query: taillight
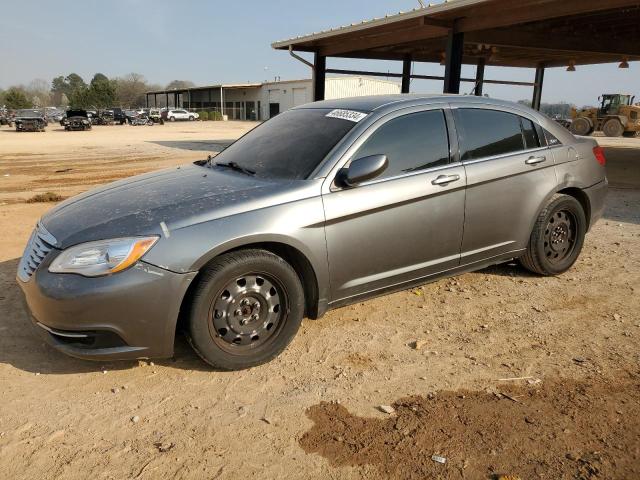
[599,154]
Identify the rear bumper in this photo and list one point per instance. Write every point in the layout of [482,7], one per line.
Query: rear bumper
[597,195]
[129,315]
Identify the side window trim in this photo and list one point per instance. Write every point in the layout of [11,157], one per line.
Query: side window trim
[504,155]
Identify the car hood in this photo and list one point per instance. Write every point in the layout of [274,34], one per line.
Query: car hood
[159,202]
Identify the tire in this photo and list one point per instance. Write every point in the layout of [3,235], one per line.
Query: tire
[557,237]
[581,126]
[613,128]
[246,309]
[172,119]
[191,119]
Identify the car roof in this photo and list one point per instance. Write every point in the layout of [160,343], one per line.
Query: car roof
[376,102]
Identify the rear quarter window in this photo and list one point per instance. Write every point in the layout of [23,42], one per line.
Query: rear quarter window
[552,140]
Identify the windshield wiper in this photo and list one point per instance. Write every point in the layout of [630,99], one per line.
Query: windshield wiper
[236,167]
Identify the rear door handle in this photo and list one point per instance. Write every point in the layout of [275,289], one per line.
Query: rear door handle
[444,180]
[535,160]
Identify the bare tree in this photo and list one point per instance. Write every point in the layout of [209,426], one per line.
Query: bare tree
[177,84]
[130,90]
[38,91]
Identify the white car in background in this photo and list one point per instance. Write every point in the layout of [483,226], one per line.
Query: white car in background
[181,114]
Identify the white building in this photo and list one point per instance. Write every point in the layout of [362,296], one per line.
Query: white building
[261,101]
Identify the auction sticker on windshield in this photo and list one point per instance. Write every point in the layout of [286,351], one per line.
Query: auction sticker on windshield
[350,115]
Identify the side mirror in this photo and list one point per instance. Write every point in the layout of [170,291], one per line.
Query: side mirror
[362,169]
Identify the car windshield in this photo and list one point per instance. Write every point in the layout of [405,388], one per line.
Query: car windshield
[289,146]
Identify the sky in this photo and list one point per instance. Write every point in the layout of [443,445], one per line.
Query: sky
[210,42]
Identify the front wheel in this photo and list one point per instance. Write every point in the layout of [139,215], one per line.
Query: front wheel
[613,128]
[246,309]
[191,119]
[557,237]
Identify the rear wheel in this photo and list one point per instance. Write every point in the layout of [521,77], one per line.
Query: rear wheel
[246,309]
[557,237]
[613,128]
[172,119]
[581,126]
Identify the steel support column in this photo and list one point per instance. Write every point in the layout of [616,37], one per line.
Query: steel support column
[480,76]
[319,76]
[453,65]
[537,88]
[406,74]
[146,100]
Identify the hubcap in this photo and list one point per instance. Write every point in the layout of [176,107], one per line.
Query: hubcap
[247,312]
[560,236]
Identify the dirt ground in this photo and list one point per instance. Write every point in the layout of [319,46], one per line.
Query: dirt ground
[498,371]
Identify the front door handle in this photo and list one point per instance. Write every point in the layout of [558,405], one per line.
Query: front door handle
[445,180]
[535,160]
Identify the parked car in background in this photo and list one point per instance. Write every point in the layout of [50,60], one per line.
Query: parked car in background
[6,117]
[76,120]
[103,117]
[30,120]
[130,115]
[92,114]
[322,206]
[118,115]
[54,114]
[155,115]
[179,114]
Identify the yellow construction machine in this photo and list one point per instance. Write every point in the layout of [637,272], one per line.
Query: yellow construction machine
[617,116]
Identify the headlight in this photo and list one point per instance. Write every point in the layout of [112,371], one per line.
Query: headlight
[103,257]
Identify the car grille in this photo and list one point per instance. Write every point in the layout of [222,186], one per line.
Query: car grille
[39,245]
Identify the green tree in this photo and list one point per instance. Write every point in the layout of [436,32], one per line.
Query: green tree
[74,81]
[58,89]
[102,91]
[15,98]
[67,86]
[80,98]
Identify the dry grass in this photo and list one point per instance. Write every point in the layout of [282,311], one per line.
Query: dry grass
[45,197]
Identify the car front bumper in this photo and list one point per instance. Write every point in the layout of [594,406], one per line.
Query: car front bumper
[128,315]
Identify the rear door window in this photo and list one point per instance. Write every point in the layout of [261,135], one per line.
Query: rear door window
[487,133]
[413,142]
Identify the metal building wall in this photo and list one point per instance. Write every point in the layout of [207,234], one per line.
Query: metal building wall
[342,87]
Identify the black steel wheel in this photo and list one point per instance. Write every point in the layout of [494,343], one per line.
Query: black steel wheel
[246,308]
[560,236]
[248,312]
[557,237]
